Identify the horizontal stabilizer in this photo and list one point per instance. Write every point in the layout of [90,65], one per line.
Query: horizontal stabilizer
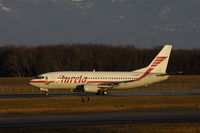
[177,73]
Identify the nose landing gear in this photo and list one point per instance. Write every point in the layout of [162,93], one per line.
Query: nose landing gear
[44,90]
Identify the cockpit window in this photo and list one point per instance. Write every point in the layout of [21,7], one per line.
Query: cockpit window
[39,77]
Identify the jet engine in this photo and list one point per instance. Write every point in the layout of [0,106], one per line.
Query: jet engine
[90,88]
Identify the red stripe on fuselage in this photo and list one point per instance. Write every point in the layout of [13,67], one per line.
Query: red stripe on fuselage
[145,74]
[37,81]
[41,82]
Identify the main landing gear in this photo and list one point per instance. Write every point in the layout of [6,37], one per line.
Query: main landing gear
[102,92]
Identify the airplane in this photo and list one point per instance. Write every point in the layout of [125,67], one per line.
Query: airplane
[100,82]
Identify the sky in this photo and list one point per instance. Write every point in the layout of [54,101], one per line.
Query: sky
[143,23]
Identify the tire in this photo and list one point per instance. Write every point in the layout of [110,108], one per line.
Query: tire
[105,92]
[102,92]
[98,92]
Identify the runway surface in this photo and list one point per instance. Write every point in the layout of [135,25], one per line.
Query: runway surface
[98,118]
[93,94]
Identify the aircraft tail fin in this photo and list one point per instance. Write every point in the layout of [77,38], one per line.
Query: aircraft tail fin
[160,62]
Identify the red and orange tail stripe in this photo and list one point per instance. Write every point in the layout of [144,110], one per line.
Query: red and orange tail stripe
[154,64]
[158,61]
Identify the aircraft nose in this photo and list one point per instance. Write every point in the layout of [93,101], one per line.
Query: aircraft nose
[31,82]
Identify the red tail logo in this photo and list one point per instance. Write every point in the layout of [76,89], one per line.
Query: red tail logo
[158,61]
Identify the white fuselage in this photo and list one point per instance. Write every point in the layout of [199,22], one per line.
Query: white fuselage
[102,81]
[70,80]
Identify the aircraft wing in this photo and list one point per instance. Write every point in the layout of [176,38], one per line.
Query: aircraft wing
[112,84]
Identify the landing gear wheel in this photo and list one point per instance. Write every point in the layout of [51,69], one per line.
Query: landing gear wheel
[46,94]
[102,92]
[98,92]
[105,92]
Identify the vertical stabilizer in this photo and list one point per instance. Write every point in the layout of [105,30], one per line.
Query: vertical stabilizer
[160,62]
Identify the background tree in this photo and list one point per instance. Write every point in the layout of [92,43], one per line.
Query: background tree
[24,60]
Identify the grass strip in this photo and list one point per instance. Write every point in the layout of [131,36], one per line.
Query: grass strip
[96,104]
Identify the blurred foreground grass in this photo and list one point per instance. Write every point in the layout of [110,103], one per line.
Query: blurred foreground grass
[179,83]
[96,104]
[134,128]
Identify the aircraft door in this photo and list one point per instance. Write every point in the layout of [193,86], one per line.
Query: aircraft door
[46,78]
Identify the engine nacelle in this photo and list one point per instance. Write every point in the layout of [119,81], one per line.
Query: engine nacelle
[90,88]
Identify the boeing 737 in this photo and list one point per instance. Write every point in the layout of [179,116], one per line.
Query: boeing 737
[101,82]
